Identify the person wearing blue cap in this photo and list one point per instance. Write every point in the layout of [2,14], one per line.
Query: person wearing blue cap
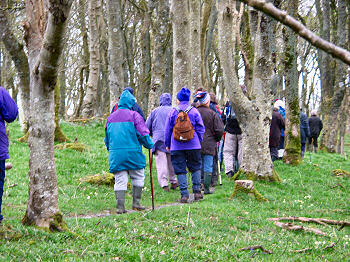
[185,154]
[136,106]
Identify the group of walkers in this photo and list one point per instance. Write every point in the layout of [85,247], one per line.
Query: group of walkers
[185,138]
[310,129]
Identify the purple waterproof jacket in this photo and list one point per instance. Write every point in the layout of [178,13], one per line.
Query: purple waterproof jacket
[156,122]
[8,113]
[197,122]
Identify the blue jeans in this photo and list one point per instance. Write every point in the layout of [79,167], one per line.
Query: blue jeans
[2,181]
[207,163]
[196,182]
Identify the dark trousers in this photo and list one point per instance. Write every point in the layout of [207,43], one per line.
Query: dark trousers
[314,140]
[2,182]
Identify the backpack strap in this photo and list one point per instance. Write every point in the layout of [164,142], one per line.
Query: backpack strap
[188,109]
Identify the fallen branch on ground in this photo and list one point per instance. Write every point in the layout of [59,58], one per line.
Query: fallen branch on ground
[337,186]
[320,221]
[256,247]
[290,226]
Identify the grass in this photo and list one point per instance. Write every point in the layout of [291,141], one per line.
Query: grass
[210,230]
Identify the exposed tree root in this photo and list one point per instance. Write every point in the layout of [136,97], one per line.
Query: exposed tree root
[74,146]
[85,120]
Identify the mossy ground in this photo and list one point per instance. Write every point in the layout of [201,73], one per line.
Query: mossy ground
[213,229]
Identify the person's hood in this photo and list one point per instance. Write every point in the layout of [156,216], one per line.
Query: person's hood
[165,99]
[126,101]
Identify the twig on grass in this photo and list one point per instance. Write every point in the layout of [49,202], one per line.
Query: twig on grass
[228,250]
[188,216]
[256,247]
[337,186]
[320,221]
[292,227]
[302,250]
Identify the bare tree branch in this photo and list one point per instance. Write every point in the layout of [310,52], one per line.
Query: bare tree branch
[297,27]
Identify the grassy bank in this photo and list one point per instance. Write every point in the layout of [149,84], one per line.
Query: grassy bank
[210,230]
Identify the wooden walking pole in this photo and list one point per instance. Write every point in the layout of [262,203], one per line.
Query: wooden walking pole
[150,169]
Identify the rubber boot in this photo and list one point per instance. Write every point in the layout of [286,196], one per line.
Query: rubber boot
[136,198]
[120,197]
[315,149]
[207,182]
[302,154]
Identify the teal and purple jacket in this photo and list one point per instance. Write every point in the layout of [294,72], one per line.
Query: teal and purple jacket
[125,134]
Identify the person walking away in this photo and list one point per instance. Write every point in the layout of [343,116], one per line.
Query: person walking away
[8,113]
[277,123]
[214,129]
[304,132]
[185,151]
[136,106]
[316,125]
[281,109]
[125,134]
[233,141]
[156,125]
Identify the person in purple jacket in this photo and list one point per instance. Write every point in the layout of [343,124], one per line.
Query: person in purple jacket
[8,113]
[186,154]
[156,125]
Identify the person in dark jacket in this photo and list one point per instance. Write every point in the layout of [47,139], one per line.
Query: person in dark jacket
[156,125]
[304,132]
[136,106]
[315,124]
[125,134]
[233,140]
[214,129]
[277,123]
[185,155]
[8,113]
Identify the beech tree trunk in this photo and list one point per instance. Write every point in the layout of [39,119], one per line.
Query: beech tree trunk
[160,33]
[115,51]
[89,103]
[196,77]
[292,121]
[181,56]
[18,56]
[330,132]
[254,116]
[207,7]
[45,28]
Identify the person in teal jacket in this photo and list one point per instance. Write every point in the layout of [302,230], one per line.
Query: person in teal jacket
[125,134]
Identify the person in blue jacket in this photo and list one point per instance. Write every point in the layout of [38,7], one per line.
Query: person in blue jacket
[125,134]
[8,113]
[136,106]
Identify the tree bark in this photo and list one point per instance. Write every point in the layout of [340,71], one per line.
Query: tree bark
[89,104]
[115,51]
[292,121]
[254,116]
[18,56]
[330,132]
[207,7]
[44,31]
[160,33]
[196,62]
[181,57]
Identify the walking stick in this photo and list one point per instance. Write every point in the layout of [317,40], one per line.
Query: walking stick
[150,169]
[220,182]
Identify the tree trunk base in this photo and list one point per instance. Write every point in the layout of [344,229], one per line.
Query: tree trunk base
[252,176]
[60,136]
[74,146]
[247,187]
[53,224]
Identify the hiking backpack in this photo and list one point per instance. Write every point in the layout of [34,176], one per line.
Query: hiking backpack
[183,130]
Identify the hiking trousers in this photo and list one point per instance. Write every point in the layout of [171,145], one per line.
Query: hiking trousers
[232,150]
[121,179]
[165,169]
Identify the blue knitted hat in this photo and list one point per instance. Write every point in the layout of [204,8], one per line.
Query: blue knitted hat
[129,89]
[184,94]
